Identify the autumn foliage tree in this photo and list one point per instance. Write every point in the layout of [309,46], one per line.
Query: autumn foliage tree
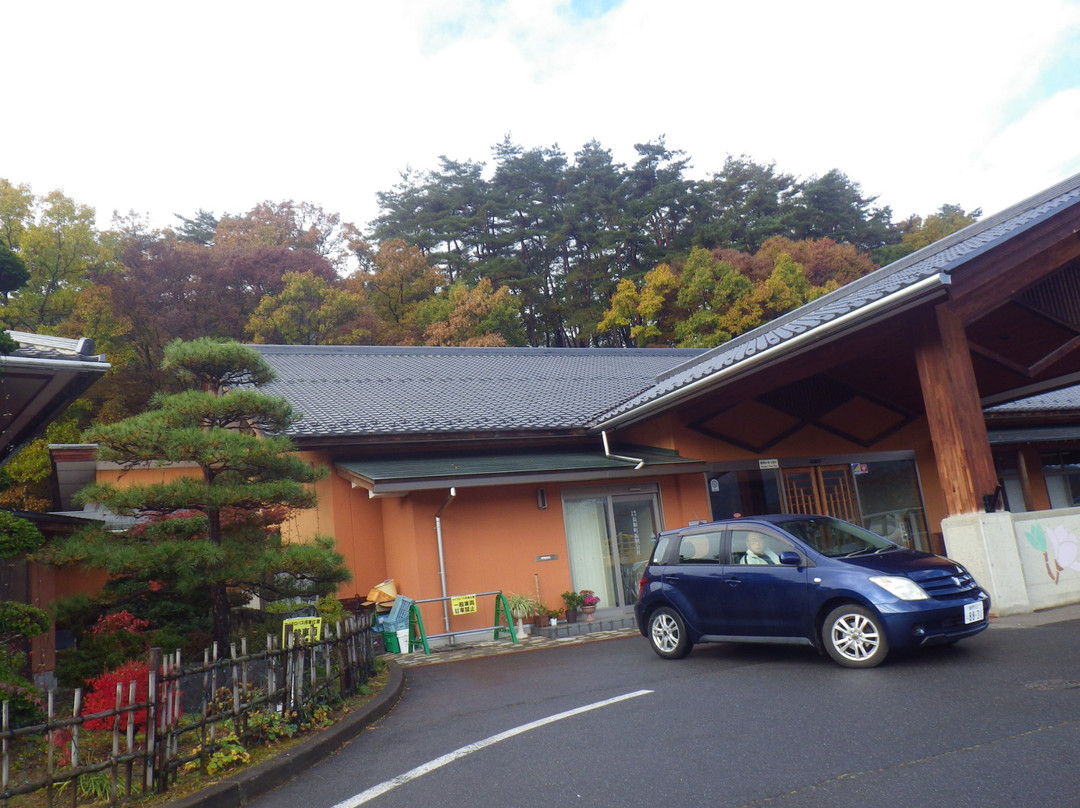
[712,296]
[540,247]
[310,310]
[217,531]
[477,317]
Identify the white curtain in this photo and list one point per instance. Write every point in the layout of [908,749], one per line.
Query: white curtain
[589,547]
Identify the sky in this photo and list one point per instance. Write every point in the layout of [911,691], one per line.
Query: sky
[162,108]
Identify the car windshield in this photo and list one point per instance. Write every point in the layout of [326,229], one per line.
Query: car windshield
[833,537]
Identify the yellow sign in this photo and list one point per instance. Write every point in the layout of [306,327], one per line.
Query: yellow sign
[466,604]
[306,629]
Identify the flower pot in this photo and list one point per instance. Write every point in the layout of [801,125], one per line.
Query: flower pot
[588,612]
[553,621]
[571,615]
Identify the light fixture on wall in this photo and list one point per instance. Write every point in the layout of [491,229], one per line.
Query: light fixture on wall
[541,499]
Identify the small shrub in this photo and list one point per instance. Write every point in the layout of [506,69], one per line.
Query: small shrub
[271,726]
[321,717]
[122,621]
[102,695]
[27,706]
[228,752]
[330,610]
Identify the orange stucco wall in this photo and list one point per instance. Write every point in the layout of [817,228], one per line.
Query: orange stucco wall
[494,536]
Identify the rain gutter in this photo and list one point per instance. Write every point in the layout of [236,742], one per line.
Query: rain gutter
[916,290]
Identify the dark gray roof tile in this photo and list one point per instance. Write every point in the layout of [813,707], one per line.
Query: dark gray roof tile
[1064,400]
[372,390]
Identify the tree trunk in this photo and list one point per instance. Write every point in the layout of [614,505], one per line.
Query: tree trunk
[219,596]
[219,609]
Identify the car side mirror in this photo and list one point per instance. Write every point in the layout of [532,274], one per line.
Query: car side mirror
[790,558]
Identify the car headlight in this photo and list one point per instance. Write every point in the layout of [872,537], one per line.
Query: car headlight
[903,588]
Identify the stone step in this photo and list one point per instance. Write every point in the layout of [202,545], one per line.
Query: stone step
[600,623]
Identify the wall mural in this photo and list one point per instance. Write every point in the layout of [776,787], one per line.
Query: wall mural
[1059,547]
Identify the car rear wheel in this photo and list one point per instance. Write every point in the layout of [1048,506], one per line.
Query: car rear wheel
[667,634]
[853,637]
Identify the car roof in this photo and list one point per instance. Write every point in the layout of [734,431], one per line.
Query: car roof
[771,518]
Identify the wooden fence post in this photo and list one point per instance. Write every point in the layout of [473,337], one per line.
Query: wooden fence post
[151,722]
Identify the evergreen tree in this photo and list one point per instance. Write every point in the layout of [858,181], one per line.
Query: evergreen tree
[216,531]
[18,622]
[13,272]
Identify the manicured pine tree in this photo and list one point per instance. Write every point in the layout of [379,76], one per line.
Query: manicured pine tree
[217,530]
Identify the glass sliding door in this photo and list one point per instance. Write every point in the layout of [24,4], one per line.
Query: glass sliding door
[635,533]
[609,537]
[588,539]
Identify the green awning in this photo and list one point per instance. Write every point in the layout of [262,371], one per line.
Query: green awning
[399,475]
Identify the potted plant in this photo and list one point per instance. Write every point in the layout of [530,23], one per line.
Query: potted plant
[589,599]
[521,607]
[549,617]
[573,601]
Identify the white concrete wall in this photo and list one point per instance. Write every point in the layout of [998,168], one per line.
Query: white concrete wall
[1026,561]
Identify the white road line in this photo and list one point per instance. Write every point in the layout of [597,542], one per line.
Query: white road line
[432,765]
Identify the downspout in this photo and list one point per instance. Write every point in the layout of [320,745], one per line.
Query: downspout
[607,452]
[442,562]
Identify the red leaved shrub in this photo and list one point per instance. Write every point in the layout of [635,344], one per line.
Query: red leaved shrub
[123,621]
[101,695]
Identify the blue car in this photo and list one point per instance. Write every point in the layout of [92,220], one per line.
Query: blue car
[803,580]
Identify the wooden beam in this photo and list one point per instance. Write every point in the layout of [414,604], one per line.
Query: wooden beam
[987,282]
[961,446]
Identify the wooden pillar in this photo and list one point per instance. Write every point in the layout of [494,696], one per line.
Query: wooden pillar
[1025,481]
[1040,496]
[953,412]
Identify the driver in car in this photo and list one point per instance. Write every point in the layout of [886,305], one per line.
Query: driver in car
[757,552]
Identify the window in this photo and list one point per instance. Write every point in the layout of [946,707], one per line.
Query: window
[1062,473]
[756,547]
[879,491]
[700,548]
[748,491]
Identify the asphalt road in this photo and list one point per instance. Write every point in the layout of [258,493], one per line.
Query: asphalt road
[993,721]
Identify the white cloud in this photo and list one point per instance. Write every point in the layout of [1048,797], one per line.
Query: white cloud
[168,108]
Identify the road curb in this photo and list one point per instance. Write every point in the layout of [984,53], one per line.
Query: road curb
[245,787]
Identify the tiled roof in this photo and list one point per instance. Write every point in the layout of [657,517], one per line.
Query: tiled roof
[1066,399]
[42,346]
[371,390]
[930,265]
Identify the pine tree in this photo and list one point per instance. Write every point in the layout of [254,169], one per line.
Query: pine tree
[18,622]
[216,531]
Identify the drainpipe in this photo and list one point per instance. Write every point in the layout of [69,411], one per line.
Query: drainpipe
[442,563]
[607,452]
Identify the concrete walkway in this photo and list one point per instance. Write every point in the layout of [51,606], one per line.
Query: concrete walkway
[607,629]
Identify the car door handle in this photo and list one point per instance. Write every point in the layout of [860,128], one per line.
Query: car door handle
[734,581]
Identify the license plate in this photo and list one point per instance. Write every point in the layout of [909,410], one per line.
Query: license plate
[973,612]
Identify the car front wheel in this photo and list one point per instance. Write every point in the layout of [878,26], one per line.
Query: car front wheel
[854,638]
[667,634]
